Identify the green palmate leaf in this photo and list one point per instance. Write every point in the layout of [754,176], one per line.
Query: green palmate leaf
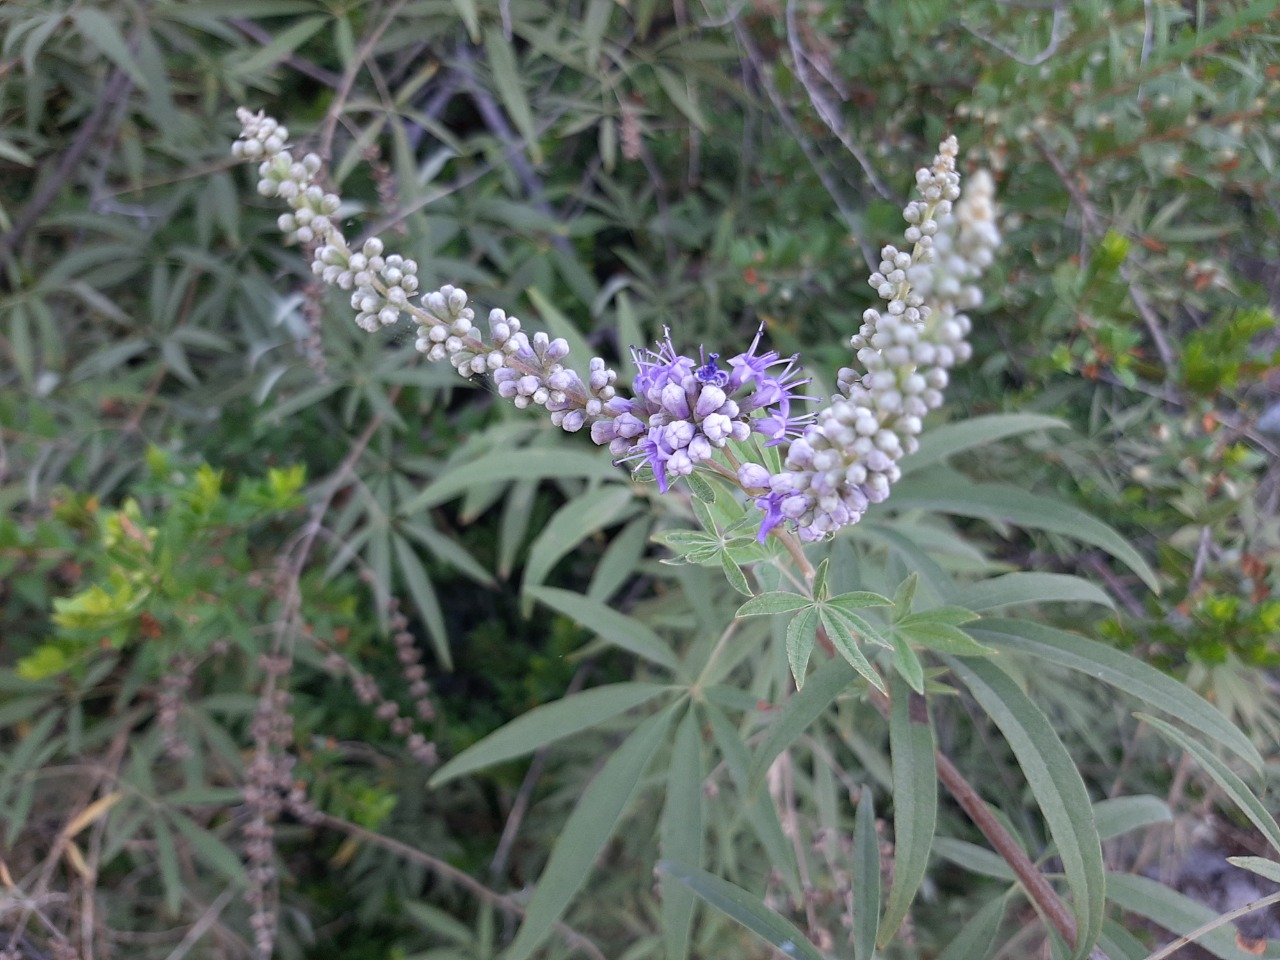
[841,636]
[570,525]
[941,442]
[1259,865]
[953,493]
[1226,778]
[1173,911]
[798,712]
[585,833]
[546,724]
[1015,588]
[802,631]
[502,466]
[866,878]
[745,908]
[612,627]
[768,603]
[1056,784]
[1121,671]
[682,832]
[915,801]
[677,90]
[977,937]
[506,77]
[209,848]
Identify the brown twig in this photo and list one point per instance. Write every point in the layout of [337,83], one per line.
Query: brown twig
[1033,881]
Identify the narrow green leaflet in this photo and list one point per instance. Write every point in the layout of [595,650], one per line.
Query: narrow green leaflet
[915,801]
[506,77]
[1259,865]
[767,603]
[976,938]
[800,710]
[745,908]
[907,664]
[288,40]
[101,31]
[1057,786]
[546,724]
[578,519]
[502,466]
[170,873]
[1122,671]
[952,493]
[841,636]
[1120,815]
[1173,911]
[585,833]
[682,831]
[1226,778]
[802,632]
[941,442]
[866,878]
[1015,588]
[940,636]
[423,594]
[610,625]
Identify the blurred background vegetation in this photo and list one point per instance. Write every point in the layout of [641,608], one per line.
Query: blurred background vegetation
[222,501]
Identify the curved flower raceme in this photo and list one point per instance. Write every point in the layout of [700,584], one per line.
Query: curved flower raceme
[683,411]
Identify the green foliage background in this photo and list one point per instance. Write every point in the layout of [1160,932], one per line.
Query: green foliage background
[202,461]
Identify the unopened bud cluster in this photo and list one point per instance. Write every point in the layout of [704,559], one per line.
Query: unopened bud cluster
[848,457]
[384,287]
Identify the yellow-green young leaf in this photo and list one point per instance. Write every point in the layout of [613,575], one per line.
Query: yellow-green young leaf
[506,77]
[546,724]
[739,905]
[915,801]
[1121,671]
[866,878]
[1226,778]
[46,661]
[682,831]
[1056,784]
[802,631]
[585,833]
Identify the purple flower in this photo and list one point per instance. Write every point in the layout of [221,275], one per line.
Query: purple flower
[683,410]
